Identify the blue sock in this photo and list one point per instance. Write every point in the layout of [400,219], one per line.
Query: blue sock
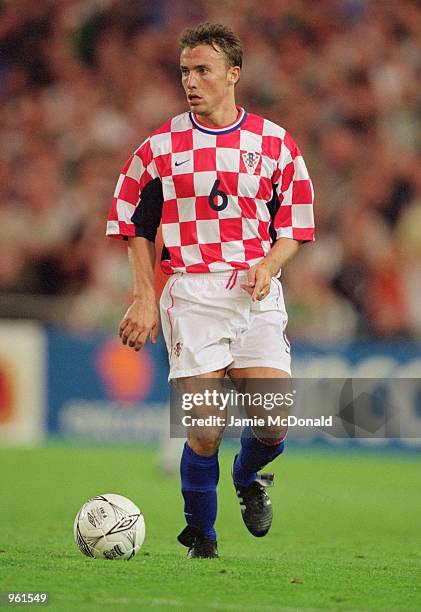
[199,478]
[253,456]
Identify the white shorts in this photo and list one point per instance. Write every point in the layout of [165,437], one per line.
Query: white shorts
[209,324]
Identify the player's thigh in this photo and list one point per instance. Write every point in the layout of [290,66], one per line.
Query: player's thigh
[267,392]
[257,372]
[196,331]
[264,344]
[263,350]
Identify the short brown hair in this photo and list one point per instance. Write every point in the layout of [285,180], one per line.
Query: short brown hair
[214,34]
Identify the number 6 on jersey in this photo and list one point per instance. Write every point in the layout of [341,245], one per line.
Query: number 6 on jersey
[213,197]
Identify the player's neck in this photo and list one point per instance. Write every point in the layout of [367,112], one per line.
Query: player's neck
[220,117]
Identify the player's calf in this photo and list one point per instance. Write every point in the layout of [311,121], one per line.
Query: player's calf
[199,480]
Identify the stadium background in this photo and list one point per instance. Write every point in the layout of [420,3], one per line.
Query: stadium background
[82,83]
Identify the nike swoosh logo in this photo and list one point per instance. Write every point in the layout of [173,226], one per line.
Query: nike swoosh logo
[182,162]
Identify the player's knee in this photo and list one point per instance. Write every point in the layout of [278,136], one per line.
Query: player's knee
[206,444]
[272,433]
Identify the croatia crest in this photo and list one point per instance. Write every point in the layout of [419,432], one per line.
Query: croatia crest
[251,160]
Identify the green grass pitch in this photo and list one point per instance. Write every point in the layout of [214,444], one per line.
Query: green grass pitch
[346,534]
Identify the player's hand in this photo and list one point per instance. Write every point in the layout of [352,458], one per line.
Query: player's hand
[140,321]
[259,279]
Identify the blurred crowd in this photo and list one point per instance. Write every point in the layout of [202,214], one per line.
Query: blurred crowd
[83,82]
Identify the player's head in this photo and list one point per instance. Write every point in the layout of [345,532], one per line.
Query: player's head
[210,63]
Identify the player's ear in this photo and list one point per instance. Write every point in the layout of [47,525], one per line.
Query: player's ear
[234,74]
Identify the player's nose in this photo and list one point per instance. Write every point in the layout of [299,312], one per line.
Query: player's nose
[191,81]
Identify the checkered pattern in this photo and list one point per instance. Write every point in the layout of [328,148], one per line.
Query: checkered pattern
[216,184]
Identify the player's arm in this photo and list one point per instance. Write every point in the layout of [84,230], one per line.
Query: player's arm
[260,275]
[293,221]
[135,216]
[281,252]
[142,317]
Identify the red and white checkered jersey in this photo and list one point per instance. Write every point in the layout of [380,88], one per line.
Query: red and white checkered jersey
[223,194]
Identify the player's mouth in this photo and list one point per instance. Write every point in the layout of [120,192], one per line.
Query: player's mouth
[194,99]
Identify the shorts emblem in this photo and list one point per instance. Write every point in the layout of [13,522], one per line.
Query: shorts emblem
[177,349]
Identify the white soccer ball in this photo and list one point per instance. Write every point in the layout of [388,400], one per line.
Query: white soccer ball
[109,526]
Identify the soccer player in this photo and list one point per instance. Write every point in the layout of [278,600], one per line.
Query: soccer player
[235,201]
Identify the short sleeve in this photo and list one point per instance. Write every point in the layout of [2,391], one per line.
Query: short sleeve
[294,217]
[137,204]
